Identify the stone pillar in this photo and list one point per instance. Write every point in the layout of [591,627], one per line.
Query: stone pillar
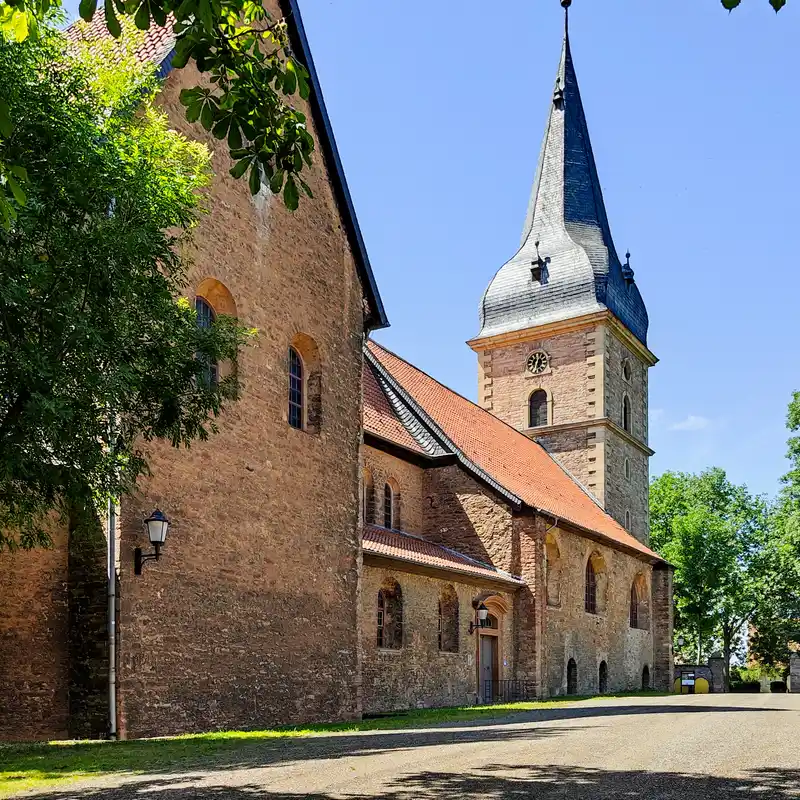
[794,673]
[662,621]
[717,665]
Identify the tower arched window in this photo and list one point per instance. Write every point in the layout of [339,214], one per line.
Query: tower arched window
[627,520]
[205,319]
[388,506]
[537,409]
[296,389]
[626,413]
[627,469]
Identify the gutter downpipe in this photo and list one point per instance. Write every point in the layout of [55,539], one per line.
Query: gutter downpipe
[112,619]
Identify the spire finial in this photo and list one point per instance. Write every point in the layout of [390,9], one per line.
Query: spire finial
[565,4]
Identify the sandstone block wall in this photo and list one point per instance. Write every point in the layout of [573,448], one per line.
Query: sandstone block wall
[663,618]
[419,675]
[408,480]
[572,632]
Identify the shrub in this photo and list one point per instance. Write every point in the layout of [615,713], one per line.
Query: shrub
[777,686]
[745,686]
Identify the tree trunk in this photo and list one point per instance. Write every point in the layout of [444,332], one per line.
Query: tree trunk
[727,636]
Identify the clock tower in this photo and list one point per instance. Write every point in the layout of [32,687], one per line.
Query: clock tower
[562,348]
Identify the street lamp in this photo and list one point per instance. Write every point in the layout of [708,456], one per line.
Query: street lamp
[157,526]
[481,618]
[680,641]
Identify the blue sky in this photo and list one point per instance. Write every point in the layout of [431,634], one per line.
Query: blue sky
[439,111]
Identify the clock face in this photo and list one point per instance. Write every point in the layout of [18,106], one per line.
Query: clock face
[538,362]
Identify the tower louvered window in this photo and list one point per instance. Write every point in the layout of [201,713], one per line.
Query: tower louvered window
[537,409]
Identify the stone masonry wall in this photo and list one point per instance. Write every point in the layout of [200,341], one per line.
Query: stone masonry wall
[249,618]
[663,612]
[572,632]
[418,675]
[408,480]
[34,641]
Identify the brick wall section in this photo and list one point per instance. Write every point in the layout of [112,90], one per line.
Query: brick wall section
[662,628]
[249,618]
[409,481]
[34,636]
[528,563]
[572,632]
[418,675]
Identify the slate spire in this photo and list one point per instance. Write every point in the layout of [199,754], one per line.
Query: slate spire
[567,264]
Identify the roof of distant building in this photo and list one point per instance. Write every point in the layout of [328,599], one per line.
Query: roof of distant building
[566,235]
[159,48]
[516,467]
[415,550]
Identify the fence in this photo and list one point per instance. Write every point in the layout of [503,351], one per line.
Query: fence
[508,691]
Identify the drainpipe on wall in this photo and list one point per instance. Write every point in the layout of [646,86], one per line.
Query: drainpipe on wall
[112,619]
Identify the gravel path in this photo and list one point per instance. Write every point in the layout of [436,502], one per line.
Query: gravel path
[712,747]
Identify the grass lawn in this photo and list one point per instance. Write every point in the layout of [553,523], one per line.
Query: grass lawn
[40,765]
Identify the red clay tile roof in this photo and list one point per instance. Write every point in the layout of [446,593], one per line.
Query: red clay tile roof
[404,547]
[157,45]
[518,464]
[380,419]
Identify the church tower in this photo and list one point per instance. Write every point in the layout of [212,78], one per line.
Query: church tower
[562,349]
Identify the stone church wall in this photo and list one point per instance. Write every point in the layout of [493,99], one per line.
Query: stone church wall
[408,482]
[249,618]
[572,632]
[419,675]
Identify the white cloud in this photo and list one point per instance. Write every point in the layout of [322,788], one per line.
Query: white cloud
[692,423]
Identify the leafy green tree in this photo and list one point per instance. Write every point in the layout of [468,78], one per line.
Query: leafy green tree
[717,536]
[251,74]
[731,4]
[97,352]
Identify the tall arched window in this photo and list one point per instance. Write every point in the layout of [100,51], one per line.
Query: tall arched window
[295,389]
[537,409]
[626,413]
[388,506]
[552,556]
[390,616]
[448,620]
[590,594]
[627,469]
[634,611]
[645,678]
[627,520]
[205,319]
[368,500]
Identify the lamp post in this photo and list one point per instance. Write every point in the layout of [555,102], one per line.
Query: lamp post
[481,618]
[157,526]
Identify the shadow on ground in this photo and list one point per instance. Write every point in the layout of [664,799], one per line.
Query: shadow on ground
[490,783]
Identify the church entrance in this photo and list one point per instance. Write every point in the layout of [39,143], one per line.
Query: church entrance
[488,668]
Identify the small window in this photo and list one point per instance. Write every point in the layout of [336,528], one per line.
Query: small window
[295,389]
[537,409]
[205,319]
[634,612]
[388,506]
[368,500]
[572,677]
[390,617]
[627,520]
[626,370]
[626,414]
[627,469]
[590,596]
[645,678]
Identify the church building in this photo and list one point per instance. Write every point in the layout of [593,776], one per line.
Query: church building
[358,538]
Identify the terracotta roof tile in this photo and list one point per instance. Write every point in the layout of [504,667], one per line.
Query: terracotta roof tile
[380,418]
[518,464]
[405,547]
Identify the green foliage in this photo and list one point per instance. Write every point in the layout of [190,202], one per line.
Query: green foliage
[251,71]
[718,537]
[96,354]
[731,4]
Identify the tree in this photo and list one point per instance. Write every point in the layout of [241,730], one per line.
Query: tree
[98,352]
[717,536]
[251,72]
[731,4]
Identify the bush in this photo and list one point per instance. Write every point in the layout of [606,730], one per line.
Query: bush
[777,686]
[745,686]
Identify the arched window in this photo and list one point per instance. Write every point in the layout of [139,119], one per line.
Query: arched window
[390,616]
[602,676]
[309,372]
[572,677]
[626,413]
[448,620]
[645,678]
[296,389]
[205,319]
[388,506]
[552,557]
[627,520]
[368,499]
[626,370]
[634,612]
[627,469]
[590,595]
[537,409]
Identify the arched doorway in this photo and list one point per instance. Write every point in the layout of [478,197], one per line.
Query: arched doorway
[572,677]
[490,648]
[645,678]
[602,677]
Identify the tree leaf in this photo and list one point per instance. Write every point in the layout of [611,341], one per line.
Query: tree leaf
[159,14]
[16,189]
[291,197]
[730,4]
[777,4]
[234,136]
[87,8]
[276,182]
[193,111]
[6,125]
[240,167]
[19,171]
[255,178]
[306,188]
[207,116]
[142,18]
[112,23]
